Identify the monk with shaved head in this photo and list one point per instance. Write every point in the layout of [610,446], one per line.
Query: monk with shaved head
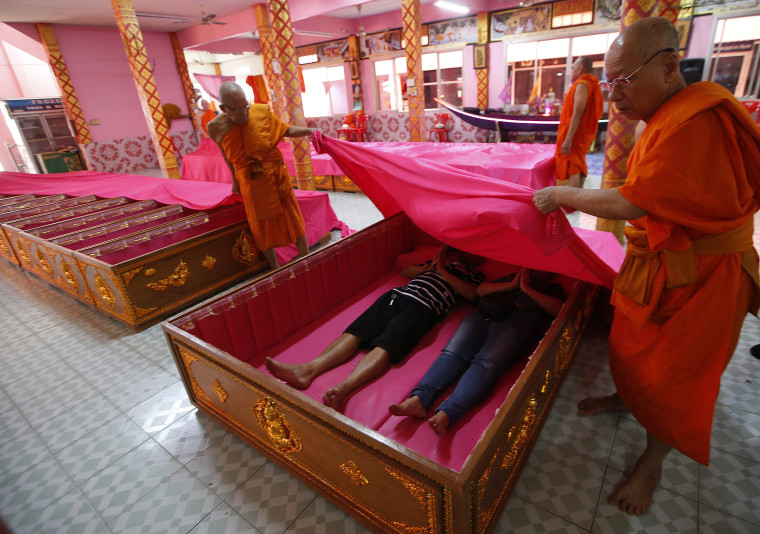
[690,275]
[248,135]
[578,123]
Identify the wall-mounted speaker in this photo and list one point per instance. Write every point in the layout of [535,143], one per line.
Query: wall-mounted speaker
[691,69]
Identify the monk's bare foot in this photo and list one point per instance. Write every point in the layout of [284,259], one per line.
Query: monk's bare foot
[599,405]
[439,422]
[411,407]
[634,495]
[294,375]
[333,397]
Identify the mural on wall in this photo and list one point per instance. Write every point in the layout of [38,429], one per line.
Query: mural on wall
[608,11]
[332,50]
[518,21]
[453,31]
[378,43]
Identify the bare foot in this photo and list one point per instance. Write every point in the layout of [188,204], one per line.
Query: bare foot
[599,405]
[439,422]
[333,397]
[293,374]
[412,407]
[634,495]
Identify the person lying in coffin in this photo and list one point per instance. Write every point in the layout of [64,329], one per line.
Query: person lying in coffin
[513,316]
[393,325]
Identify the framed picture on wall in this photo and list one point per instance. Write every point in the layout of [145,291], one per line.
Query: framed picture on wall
[480,56]
[354,66]
[684,29]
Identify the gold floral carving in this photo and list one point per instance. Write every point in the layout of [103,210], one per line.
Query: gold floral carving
[423,497]
[70,277]
[4,248]
[177,279]
[188,359]
[243,250]
[352,471]
[141,312]
[523,436]
[44,263]
[548,379]
[273,422]
[208,262]
[104,291]
[22,253]
[150,272]
[219,390]
[129,275]
[564,351]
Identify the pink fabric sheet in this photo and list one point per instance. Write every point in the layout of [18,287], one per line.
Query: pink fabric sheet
[480,214]
[315,205]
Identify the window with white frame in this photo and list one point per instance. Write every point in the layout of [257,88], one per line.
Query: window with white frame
[442,78]
[325,91]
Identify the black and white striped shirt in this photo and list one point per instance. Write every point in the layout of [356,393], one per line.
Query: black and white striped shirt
[433,291]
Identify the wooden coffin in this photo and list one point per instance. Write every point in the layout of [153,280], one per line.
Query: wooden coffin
[135,261]
[389,475]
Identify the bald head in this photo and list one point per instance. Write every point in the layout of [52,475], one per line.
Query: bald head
[230,90]
[642,65]
[646,36]
[234,103]
[586,63]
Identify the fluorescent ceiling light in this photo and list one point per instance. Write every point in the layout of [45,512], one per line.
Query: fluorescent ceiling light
[451,6]
[160,16]
[313,33]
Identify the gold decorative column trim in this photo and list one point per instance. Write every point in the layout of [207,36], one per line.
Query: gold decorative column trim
[287,59]
[268,54]
[184,75]
[142,72]
[61,71]
[411,34]
[482,82]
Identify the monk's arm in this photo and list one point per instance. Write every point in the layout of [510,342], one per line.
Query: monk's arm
[579,106]
[299,131]
[604,203]
[216,131]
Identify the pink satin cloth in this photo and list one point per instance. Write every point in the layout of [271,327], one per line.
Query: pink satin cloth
[206,164]
[315,205]
[480,214]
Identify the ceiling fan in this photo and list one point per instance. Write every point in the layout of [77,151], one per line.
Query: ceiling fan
[208,19]
[362,33]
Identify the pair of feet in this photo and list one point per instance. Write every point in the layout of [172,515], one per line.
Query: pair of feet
[412,407]
[299,377]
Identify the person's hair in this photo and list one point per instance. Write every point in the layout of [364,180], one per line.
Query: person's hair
[587,63]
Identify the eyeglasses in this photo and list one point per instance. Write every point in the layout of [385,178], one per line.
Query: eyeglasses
[626,82]
[236,110]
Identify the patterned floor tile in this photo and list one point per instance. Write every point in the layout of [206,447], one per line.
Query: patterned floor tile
[567,486]
[177,505]
[24,357]
[45,404]
[62,430]
[737,432]
[71,514]
[190,435]
[131,477]
[523,517]
[668,513]
[680,474]
[127,386]
[24,498]
[20,447]
[226,465]
[162,409]
[100,448]
[323,517]
[740,384]
[712,521]
[271,499]
[731,484]
[224,520]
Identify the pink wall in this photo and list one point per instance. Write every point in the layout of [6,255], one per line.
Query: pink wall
[103,81]
[699,41]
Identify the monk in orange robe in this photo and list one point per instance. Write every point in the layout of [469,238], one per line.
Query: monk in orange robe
[583,107]
[204,116]
[248,136]
[691,272]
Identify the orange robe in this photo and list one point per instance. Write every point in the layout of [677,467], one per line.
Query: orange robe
[265,185]
[575,161]
[691,272]
[207,117]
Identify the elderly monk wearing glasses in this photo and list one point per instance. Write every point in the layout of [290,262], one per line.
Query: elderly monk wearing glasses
[578,123]
[690,275]
[248,135]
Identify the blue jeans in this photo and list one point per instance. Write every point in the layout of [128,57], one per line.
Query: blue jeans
[479,352]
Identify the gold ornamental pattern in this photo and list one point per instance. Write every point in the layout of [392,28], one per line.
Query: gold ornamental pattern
[276,426]
[243,249]
[104,291]
[177,279]
[70,277]
[351,470]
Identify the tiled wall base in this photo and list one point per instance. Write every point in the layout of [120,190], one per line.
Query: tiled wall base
[133,153]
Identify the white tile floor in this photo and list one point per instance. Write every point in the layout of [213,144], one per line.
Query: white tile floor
[97,436]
